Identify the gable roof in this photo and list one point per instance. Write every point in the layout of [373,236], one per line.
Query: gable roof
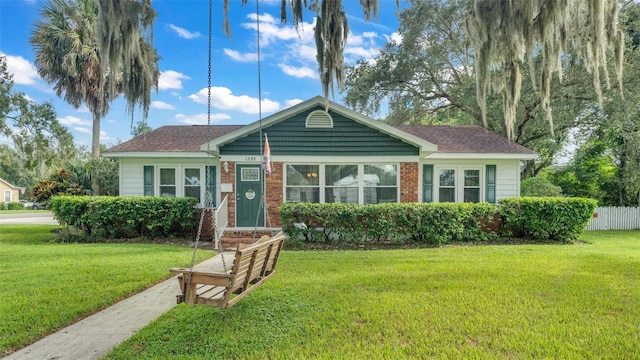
[467,139]
[9,184]
[423,145]
[446,141]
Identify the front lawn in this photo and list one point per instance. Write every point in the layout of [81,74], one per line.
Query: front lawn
[46,285]
[499,301]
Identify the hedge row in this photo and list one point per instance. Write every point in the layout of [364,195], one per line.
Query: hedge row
[123,217]
[539,218]
[546,218]
[11,206]
[434,223]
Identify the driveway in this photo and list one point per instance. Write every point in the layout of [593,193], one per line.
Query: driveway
[40,218]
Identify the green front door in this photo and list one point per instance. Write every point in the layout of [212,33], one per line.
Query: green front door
[248,194]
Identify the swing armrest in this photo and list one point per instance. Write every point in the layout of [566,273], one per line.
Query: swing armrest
[205,278]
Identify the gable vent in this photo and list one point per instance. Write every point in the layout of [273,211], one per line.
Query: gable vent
[319,119]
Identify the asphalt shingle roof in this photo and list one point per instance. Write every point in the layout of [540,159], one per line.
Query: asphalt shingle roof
[464,139]
[178,138]
[450,139]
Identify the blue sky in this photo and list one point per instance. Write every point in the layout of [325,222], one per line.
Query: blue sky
[288,66]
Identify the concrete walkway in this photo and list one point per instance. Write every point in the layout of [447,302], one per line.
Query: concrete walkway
[96,335]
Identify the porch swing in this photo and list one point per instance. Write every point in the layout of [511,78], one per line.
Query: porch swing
[212,283]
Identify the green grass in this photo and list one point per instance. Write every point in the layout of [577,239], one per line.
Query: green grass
[502,301]
[46,285]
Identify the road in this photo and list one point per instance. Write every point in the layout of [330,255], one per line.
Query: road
[40,217]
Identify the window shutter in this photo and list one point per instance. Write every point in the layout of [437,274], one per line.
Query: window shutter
[427,183]
[491,183]
[211,183]
[148,181]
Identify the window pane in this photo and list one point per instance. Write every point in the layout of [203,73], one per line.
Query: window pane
[447,177]
[303,194]
[168,191]
[380,195]
[167,176]
[471,195]
[341,175]
[385,175]
[148,180]
[472,178]
[447,194]
[192,177]
[303,175]
[341,194]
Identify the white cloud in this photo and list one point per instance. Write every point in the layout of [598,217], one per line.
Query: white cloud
[299,72]
[171,80]
[292,102]
[270,30]
[395,37]
[72,120]
[237,56]
[362,52]
[82,129]
[222,98]
[162,105]
[200,119]
[24,73]
[184,33]
[103,136]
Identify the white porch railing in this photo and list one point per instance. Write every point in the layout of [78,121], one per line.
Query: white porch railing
[615,218]
[221,220]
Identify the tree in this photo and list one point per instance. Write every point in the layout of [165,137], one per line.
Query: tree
[507,34]
[38,141]
[429,77]
[68,56]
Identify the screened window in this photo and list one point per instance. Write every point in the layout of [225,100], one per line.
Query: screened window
[341,183]
[168,182]
[380,184]
[303,183]
[7,196]
[471,185]
[192,183]
[447,189]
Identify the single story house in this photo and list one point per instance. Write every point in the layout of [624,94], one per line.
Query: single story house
[10,193]
[337,155]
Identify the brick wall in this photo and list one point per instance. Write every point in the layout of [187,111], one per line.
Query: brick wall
[409,182]
[230,178]
[274,196]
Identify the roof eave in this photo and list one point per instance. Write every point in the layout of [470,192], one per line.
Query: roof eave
[509,156]
[156,154]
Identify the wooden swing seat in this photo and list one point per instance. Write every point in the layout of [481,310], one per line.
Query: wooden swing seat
[252,265]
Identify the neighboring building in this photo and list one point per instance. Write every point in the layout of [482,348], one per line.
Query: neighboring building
[9,192]
[318,156]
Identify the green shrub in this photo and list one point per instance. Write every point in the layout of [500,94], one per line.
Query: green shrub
[124,217]
[539,186]
[546,218]
[15,206]
[431,223]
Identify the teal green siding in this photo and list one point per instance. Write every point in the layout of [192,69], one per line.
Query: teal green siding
[347,137]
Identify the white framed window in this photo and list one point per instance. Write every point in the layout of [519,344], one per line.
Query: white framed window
[168,182]
[458,184]
[471,185]
[7,196]
[347,183]
[192,181]
[303,183]
[447,185]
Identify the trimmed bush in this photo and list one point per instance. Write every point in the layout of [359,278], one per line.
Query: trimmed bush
[125,217]
[546,218]
[432,223]
[15,206]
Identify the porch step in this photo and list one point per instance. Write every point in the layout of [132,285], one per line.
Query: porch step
[232,238]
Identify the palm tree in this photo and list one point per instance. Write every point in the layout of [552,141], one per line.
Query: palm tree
[68,56]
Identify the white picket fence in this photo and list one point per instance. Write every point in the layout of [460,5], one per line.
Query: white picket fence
[615,218]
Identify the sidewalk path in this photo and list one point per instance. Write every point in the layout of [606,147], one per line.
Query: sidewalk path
[95,336]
